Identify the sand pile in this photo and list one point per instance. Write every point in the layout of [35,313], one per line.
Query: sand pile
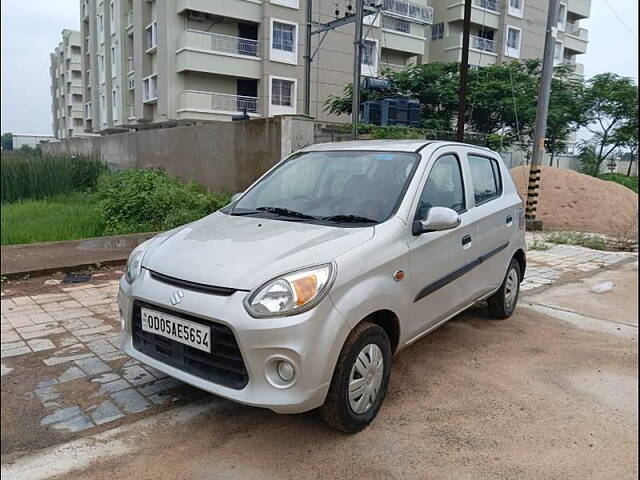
[573,201]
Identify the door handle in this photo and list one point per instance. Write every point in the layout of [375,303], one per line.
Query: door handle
[466,240]
[509,220]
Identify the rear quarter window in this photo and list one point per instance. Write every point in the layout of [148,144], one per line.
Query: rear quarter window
[486,178]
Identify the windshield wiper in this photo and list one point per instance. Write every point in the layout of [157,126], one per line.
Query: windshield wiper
[285,212]
[349,219]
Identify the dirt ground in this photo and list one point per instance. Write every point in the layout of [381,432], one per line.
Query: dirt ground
[532,397]
[573,201]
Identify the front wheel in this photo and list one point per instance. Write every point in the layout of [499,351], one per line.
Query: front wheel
[360,379]
[503,303]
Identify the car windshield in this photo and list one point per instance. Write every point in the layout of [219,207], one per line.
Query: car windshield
[339,187]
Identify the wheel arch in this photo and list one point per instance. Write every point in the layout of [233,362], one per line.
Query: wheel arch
[521,258]
[389,322]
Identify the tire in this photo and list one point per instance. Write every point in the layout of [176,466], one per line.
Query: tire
[503,303]
[368,339]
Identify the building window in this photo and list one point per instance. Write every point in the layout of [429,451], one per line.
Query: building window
[513,42]
[150,88]
[557,53]
[437,31]
[562,16]
[281,92]
[516,8]
[286,3]
[284,39]
[101,68]
[112,17]
[114,104]
[103,108]
[369,53]
[152,35]
[282,96]
[369,58]
[283,36]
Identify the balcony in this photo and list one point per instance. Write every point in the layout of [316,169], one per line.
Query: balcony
[482,44]
[130,65]
[575,38]
[483,12]
[215,53]
[131,111]
[482,51]
[196,102]
[576,31]
[579,8]
[409,10]
[488,4]
[248,11]
[129,19]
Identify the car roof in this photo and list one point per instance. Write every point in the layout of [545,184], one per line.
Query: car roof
[383,145]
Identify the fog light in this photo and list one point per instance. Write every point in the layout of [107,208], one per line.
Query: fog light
[286,371]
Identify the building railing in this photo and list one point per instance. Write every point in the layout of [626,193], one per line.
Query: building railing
[229,44]
[488,4]
[397,24]
[576,30]
[482,44]
[130,65]
[410,10]
[131,109]
[234,103]
[129,18]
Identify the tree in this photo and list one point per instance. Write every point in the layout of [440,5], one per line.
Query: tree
[501,99]
[7,141]
[610,103]
[627,137]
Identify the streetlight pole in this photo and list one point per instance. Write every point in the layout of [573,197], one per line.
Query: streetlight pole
[357,69]
[542,111]
[464,68]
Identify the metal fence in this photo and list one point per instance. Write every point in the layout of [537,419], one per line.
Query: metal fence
[237,45]
[234,103]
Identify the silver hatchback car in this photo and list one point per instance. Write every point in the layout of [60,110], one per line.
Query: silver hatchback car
[297,294]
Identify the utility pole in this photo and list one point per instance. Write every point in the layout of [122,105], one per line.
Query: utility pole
[357,69]
[307,60]
[464,68]
[542,111]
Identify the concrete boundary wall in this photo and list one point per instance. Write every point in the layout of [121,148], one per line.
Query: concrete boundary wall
[224,156]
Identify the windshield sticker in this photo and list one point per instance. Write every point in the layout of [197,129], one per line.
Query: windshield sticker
[384,156]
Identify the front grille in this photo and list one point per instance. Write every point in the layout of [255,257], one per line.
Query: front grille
[197,287]
[224,365]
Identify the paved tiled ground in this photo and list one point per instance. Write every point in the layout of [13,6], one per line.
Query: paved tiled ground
[78,329]
[74,332]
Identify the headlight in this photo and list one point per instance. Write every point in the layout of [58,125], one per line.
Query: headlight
[292,293]
[134,263]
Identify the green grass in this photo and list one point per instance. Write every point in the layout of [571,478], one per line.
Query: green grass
[629,182]
[587,240]
[60,217]
[33,174]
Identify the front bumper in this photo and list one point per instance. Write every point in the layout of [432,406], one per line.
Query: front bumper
[311,341]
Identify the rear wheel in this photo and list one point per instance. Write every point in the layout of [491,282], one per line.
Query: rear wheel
[360,379]
[503,303]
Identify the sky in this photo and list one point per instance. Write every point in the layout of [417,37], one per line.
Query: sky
[31,29]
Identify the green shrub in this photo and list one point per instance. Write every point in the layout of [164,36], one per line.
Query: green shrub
[150,200]
[32,174]
[629,182]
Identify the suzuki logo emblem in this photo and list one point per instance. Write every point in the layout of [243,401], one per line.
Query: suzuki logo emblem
[177,297]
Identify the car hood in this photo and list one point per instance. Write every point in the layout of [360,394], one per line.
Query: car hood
[243,252]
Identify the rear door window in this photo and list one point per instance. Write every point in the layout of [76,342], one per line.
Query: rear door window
[485,174]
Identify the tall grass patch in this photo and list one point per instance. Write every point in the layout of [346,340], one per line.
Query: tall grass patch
[35,175]
[61,217]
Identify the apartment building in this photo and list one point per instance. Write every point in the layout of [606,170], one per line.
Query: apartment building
[505,30]
[66,87]
[149,63]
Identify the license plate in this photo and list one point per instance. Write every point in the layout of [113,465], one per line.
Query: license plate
[184,331]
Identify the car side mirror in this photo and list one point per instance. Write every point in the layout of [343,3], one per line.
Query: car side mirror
[236,196]
[437,220]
